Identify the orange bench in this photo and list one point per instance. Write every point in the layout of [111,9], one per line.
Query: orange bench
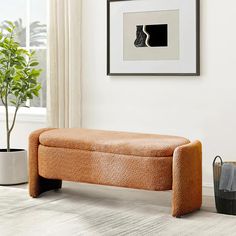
[132,160]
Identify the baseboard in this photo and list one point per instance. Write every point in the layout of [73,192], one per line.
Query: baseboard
[208,189]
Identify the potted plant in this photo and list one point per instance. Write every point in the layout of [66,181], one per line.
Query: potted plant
[18,84]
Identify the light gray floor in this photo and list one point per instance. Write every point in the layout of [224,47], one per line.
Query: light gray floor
[81,209]
[115,193]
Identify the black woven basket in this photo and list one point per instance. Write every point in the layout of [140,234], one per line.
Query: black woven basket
[225,201]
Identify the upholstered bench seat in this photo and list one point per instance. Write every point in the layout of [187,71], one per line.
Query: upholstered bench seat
[133,160]
[145,145]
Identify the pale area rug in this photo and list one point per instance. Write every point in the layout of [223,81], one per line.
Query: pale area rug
[84,211]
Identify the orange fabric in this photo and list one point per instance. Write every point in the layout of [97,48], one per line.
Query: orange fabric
[62,154]
[151,173]
[37,184]
[124,143]
[187,179]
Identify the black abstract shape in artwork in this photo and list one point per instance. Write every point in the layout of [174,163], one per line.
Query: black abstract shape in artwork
[158,36]
[141,37]
[152,36]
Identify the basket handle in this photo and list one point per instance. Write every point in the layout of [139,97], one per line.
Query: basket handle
[215,160]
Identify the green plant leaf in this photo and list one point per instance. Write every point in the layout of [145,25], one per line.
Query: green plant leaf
[35,63]
[18,75]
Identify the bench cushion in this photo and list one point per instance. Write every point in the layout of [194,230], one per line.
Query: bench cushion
[124,143]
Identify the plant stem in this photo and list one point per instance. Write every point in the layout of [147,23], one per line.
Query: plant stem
[14,119]
[12,126]
[7,124]
[8,142]
[3,103]
[6,103]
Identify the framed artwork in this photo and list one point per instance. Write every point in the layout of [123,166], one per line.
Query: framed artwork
[153,37]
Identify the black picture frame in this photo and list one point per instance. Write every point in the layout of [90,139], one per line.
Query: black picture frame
[197,73]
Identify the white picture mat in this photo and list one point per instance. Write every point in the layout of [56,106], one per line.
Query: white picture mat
[130,22]
[187,34]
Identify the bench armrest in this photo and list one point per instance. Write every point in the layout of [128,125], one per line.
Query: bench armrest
[38,184]
[187,179]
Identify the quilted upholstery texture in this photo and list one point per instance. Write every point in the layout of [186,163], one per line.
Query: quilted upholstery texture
[145,145]
[118,159]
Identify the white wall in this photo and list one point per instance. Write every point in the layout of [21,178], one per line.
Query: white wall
[195,107]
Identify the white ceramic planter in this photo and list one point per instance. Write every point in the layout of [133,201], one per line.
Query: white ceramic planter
[13,167]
